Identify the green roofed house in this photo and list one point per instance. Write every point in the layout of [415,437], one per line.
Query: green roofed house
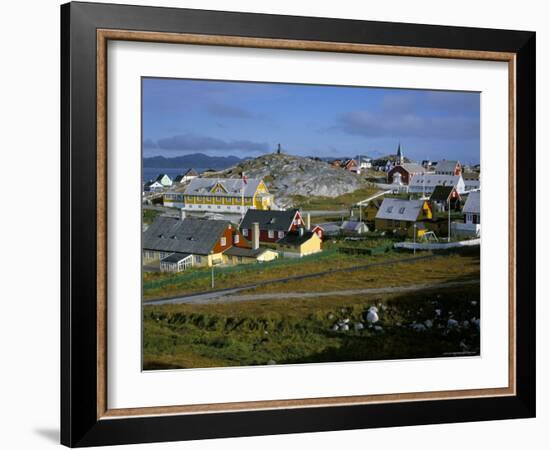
[444,197]
[164,179]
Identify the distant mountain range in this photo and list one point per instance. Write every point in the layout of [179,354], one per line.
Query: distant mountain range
[198,160]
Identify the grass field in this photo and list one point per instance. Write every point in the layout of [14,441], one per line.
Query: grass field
[341,202]
[158,285]
[452,267]
[302,331]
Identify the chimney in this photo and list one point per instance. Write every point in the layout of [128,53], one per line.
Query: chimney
[255,236]
[308,221]
[182,214]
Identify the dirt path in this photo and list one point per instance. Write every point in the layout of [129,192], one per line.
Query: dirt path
[227,297]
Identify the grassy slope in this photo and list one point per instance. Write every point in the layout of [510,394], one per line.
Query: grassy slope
[290,331]
[344,201]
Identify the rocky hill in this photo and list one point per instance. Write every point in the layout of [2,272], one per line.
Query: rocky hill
[287,176]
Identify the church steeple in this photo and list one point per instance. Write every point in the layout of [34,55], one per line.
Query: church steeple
[400,159]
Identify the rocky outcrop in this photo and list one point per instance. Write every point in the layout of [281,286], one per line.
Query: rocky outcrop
[287,176]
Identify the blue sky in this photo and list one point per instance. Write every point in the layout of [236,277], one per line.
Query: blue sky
[249,119]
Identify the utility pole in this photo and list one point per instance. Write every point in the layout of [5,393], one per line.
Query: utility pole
[212,283]
[414,239]
[449,221]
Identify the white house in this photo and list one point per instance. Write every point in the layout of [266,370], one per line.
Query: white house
[425,183]
[472,217]
[153,186]
[187,176]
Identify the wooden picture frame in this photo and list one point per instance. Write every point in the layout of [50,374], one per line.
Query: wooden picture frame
[85,416]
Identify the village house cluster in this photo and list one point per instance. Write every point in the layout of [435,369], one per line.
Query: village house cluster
[227,221]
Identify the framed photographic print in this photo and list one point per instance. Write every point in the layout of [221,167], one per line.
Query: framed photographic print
[277,224]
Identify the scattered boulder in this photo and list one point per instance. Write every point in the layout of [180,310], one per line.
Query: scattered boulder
[418,327]
[428,323]
[372,316]
[451,323]
[438,312]
[358,326]
[378,328]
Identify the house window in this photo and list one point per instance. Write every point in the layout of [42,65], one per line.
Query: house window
[401,210]
[390,209]
[236,239]
[281,234]
[198,259]
[223,241]
[245,231]
[270,234]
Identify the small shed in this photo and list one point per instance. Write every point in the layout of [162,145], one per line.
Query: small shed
[353,227]
[176,262]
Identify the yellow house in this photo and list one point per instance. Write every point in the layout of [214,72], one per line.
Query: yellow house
[299,243]
[227,195]
[241,255]
[402,217]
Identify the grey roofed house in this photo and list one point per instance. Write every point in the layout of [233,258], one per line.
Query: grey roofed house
[268,219]
[195,236]
[472,205]
[428,182]
[354,226]
[398,209]
[413,168]
[446,166]
[232,186]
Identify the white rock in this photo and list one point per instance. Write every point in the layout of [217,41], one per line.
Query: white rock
[335,327]
[451,323]
[378,328]
[373,308]
[418,327]
[428,323]
[465,324]
[344,327]
[372,317]
[358,326]
[473,302]
[438,312]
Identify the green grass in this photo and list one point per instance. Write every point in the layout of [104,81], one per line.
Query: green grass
[158,285]
[442,269]
[149,215]
[344,201]
[300,331]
